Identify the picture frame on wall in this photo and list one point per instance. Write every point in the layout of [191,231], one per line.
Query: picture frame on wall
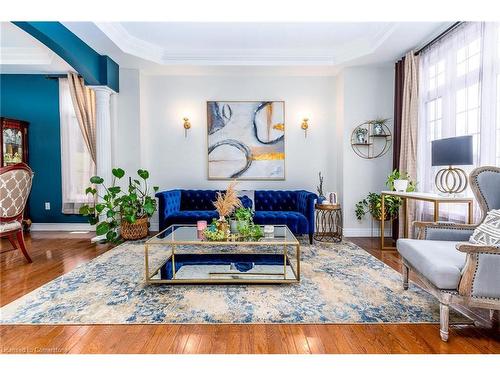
[246,140]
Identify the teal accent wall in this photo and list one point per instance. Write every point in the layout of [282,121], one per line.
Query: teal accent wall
[94,68]
[34,98]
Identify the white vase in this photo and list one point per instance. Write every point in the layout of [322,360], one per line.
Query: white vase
[400,185]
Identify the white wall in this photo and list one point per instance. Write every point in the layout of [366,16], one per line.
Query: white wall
[126,122]
[149,132]
[362,94]
[178,162]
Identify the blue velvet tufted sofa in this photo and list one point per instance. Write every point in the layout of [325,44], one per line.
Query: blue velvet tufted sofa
[292,208]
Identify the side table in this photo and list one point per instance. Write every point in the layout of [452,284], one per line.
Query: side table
[328,223]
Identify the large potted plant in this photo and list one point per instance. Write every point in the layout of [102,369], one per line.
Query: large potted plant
[121,213]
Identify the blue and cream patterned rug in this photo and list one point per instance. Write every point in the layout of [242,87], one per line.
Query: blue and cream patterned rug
[341,283]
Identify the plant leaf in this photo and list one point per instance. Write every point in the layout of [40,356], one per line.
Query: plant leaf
[118,172]
[102,228]
[144,174]
[99,207]
[96,180]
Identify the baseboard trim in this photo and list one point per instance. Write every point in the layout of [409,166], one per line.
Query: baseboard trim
[70,227]
[61,227]
[365,232]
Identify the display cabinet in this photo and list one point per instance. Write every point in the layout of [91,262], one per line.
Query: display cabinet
[14,141]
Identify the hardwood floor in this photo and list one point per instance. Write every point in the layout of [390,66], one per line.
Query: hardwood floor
[57,253]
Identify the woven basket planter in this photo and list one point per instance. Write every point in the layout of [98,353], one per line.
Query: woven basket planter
[135,231]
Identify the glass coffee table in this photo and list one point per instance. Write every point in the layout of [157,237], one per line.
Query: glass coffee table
[180,255]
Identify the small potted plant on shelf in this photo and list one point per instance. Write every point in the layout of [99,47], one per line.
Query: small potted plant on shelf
[361,135]
[373,202]
[120,214]
[378,125]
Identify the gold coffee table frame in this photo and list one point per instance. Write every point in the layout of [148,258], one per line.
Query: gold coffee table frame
[170,242]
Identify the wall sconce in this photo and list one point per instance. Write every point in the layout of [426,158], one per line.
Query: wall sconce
[187,126]
[305,126]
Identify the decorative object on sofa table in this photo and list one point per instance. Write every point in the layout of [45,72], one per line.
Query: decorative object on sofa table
[186,125]
[119,214]
[319,189]
[253,147]
[449,152]
[400,181]
[332,197]
[328,223]
[304,126]
[371,139]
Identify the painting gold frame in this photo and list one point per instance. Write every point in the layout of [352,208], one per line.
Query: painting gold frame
[247,178]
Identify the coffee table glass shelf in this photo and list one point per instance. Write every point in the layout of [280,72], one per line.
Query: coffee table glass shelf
[180,255]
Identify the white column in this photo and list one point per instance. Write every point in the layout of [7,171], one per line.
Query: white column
[103,137]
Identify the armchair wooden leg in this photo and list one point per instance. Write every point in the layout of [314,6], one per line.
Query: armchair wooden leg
[495,319]
[405,272]
[444,319]
[12,241]
[311,238]
[22,245]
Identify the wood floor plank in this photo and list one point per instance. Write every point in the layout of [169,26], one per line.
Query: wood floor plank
[56,253]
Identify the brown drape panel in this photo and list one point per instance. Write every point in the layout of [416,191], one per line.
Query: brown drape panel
[399,75]
[84,102]
[409,128]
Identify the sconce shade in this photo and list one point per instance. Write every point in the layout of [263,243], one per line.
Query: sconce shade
[452,151]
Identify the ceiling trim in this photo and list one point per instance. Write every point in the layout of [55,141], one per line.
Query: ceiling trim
[25,56]
[138,47]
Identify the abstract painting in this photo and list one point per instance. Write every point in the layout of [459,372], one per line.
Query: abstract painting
[246,140]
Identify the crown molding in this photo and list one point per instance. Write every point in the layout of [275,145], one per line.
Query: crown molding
[266,57]
[25,56]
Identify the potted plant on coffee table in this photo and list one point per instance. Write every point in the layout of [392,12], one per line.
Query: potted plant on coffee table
[121,214]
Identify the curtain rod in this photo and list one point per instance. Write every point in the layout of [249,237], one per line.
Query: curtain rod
[445,32]
[57,76]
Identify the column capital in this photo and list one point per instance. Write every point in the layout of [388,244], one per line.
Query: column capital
[102,89]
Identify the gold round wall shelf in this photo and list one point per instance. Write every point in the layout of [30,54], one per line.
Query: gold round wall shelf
[371,140]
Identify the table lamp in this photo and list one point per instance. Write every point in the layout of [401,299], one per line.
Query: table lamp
[450,152]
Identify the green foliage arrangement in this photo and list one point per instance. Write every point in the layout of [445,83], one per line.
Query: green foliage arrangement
[373,202]
[397,175]
[116,205]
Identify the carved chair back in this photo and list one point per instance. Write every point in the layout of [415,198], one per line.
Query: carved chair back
[485,184]
[15,187]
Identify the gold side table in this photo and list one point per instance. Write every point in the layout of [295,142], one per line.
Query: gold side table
[328,223]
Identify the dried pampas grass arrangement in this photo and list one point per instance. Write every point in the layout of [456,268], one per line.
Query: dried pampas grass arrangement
[227,202]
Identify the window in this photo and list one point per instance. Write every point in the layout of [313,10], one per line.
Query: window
[76,163]
[459,93]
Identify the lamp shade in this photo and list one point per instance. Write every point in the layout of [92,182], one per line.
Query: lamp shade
[452,151]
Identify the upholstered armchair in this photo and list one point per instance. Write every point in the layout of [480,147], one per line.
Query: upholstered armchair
[454,270]
[15,187]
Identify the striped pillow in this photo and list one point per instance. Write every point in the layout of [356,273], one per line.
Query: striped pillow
[488,233]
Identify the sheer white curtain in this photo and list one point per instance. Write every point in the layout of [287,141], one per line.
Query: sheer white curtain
[459,95]
[76,163]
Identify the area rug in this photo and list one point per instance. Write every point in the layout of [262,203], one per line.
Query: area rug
[341,283]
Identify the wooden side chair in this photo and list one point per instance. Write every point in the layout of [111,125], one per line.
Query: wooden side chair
[15,187]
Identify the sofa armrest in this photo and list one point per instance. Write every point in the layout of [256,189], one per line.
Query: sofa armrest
[481,273]
[169,203]
[305,205]
[444,231]
[246,202]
